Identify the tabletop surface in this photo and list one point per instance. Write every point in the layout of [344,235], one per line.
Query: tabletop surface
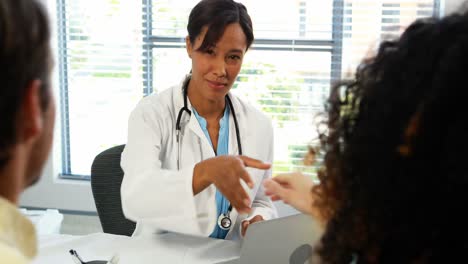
[160,248]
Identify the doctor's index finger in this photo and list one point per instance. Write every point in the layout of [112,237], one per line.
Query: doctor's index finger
[239,198]
[255,163]
[245,176]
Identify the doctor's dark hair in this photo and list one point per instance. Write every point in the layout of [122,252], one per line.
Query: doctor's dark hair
[24,56]
[394,186]
[217,15]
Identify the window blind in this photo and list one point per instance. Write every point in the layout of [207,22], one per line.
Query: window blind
[100,58]
[114,52]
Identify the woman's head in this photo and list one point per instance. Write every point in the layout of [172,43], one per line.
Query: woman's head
[394,183]
[219,34]
[215,16]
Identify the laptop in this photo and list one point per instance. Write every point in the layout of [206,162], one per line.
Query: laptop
[283,240]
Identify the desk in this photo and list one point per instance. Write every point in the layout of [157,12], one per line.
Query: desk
[161,248]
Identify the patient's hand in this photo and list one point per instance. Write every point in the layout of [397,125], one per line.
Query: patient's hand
[246,223]
[293,188]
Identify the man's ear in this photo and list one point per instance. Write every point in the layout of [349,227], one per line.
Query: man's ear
[188,46]
[31,123]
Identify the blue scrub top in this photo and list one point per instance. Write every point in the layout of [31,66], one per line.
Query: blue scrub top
[222,204]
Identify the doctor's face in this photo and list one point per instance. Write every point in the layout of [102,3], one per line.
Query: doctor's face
[215,70]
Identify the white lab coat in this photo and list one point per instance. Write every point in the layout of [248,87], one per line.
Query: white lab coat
[158,196]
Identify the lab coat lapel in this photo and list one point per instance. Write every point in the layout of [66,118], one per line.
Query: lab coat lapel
[233,149]
[189,123]
[243,127]
[178,103]
[245,134]
[195,128]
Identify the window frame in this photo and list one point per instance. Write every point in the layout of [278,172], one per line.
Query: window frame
[60,190]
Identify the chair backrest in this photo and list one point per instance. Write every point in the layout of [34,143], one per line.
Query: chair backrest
[106,178]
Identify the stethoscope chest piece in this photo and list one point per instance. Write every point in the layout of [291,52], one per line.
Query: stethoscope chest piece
[224,222]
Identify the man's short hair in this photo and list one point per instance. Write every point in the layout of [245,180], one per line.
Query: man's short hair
[24,56]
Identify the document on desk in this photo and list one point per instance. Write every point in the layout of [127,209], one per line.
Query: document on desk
[161,248]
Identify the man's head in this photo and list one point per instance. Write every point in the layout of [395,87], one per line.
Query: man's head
[27,109]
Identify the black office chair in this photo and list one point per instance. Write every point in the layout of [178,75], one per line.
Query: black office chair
[106,178]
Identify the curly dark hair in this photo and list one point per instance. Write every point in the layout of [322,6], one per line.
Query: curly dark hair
[394,183]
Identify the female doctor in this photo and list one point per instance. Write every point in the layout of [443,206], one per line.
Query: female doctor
[194,160]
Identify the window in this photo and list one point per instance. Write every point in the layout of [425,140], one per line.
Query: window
[425,5]
[426,9]
[348,21]
[283,74]
[390,12]
[100,77]
[114,52]
[391,28]
[390,20]
[391,5]
[424,13]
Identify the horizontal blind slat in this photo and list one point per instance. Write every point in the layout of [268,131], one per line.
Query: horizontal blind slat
[286,73]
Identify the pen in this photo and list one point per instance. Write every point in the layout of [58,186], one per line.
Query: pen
[76,258]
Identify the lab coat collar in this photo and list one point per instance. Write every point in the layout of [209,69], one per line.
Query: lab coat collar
[178,99]
[244,130]
[190,121]
[194,126]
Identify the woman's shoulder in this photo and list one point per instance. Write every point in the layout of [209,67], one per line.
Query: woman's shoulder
[155,106]
[157,100]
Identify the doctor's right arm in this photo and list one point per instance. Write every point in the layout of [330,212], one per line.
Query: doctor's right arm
[158,198]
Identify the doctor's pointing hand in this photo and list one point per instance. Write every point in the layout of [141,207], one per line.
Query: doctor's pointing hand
[225,172]
[191,148]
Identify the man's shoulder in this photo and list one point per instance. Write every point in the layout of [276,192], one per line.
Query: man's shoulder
[11,255]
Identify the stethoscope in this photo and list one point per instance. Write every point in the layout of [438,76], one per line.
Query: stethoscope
[224,220]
